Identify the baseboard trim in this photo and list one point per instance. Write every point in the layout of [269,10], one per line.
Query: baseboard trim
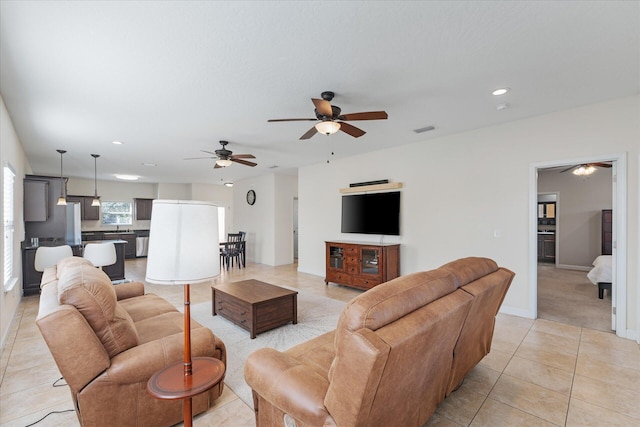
[573,267]
[513,311]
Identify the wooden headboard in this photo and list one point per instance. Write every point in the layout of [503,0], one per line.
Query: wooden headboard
[607,231]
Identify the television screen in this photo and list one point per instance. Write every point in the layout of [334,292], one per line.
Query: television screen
[375,213]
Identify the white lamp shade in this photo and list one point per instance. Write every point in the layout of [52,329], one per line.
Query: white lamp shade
[183,242]
[328,127]
[224,162]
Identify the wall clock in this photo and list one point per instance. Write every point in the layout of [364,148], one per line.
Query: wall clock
[251,197]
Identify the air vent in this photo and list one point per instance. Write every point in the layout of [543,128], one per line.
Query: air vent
[273,167]
[424,129]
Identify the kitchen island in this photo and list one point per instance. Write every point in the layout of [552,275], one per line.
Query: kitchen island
[114,271]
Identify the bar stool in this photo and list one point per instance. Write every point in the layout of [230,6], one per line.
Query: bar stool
[46,256]
[100,254]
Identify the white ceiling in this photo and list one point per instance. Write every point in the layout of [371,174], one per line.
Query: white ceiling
[172,78]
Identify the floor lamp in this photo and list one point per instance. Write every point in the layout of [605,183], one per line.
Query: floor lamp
[183,250]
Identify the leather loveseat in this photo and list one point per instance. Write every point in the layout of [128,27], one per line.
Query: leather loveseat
[108,340]
[398,350]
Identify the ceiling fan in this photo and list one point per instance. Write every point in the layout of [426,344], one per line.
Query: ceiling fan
[224,157]
[586,168]
[331,119]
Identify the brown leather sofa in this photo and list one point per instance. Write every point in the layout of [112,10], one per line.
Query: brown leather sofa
[397,351]
[108,340]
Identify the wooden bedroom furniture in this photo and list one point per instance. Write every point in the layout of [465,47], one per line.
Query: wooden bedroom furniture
[607,239]
[361,265]
[255,306]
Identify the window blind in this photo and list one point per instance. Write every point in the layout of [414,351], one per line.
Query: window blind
[8,220]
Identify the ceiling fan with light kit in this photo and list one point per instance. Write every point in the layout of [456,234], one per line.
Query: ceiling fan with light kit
[224,157]
[331,120]
[585,169]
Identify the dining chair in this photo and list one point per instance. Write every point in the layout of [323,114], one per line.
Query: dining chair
[46,256]
[232,250]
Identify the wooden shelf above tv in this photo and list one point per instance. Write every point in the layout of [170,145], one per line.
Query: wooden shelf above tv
[375,187]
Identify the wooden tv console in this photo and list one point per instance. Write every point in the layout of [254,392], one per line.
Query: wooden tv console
[361,265]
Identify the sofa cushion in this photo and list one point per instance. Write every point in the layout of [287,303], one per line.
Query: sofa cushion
[394,299]
[68,263]
[466,270]
[90,291]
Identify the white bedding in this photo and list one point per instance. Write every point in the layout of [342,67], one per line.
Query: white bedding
[601,271]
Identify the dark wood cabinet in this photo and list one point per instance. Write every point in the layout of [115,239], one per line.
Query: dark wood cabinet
[129,250]
[36,200]
[361,265]
[116,271]
[607,231]
[30,277]
[143,208]
[546,247]
[87,212]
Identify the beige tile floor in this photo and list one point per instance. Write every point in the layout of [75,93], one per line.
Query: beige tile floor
[539,373]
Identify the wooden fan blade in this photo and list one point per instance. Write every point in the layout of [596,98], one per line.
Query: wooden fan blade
[242,156]
[568,169]
[351,130]
[309,133]
[323,107]
[243,162]
[370,115]
[197,158]
[601,165]
[292,120]
[209,152]
[216,166]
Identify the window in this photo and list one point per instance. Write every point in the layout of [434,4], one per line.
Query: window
[117,213]
[8,281]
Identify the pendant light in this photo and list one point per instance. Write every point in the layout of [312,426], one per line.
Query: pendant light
[96,198]
[62,200]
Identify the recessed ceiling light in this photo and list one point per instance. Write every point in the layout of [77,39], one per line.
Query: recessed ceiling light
[117,142]
[500,91]
[228,184]
[149,164]
[127,177]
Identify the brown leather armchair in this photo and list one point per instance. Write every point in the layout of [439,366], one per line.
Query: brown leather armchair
[108,340]
[397,351]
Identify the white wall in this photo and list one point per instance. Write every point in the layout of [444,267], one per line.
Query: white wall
[221,196]
[462,190]
[579,213]
[12,153]
[269,222]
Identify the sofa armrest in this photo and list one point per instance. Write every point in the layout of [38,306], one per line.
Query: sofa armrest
[138,363]
[129,290]
[288,384]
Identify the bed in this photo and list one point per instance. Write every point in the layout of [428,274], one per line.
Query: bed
[600,274]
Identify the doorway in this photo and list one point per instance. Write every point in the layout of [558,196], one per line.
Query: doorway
[619,256]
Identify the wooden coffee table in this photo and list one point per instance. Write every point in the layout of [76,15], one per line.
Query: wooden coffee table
[255,306]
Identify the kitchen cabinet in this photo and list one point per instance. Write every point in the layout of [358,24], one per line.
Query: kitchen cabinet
[129,237]
[36,200]
[30,277]
[87,212]
[361,265]
[546,247]
[143,208]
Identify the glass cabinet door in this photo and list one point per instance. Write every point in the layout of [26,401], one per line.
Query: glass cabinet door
[336,257]
[369,261]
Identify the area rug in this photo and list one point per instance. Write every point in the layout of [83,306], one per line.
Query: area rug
[316,315]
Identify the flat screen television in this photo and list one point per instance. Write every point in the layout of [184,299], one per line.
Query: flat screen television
[373,213]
